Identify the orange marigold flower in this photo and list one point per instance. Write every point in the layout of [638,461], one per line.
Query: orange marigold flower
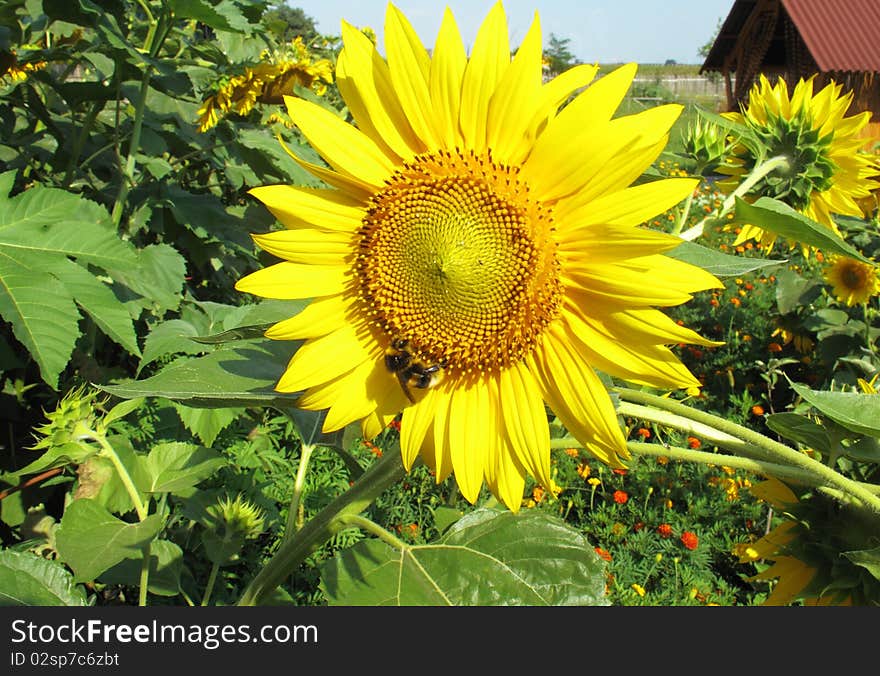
[664,530]
[638,525]
[395,425]
[662,460]
[757,410]
[693,442]
[714,302]
[619,470]
[573,452]
[644,433]
[620,497]
[690,540]
[604,554]
[774,347]
[735,301]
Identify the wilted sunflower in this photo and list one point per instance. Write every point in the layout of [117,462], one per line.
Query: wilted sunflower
[477,255]
[816,550]
[851,280]
[827,173]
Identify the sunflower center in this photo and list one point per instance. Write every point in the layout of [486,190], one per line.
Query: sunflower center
[853,277]
[458,259]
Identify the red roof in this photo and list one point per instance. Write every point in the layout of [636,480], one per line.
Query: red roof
[840,34]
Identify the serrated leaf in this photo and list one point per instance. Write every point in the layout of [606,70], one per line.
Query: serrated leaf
[42,313]
[206,423]
[855,411]
[801,429]
[717,263]
[175,466]
[30,580]
[238,374]
[166,565]
[120,410]
[91,540]
[487,558]
[157,275]
[775,216]
[99,302]
[222,15]
[172,337]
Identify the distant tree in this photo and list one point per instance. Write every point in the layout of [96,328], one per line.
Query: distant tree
[289,22]
[558,55]
[670,62]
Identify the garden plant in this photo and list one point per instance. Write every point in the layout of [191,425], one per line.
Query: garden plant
[290,318]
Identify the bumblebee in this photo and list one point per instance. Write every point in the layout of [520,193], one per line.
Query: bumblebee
[410,370]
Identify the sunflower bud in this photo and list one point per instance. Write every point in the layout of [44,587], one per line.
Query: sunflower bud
[73,419]
[230,523]
[707,144]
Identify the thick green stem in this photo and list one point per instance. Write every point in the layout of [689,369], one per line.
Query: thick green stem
[683,216]
[824,476]
[133,147]
[144,583]
[209,586]
[382,475]
[758,173]
[109,453]
[373,528]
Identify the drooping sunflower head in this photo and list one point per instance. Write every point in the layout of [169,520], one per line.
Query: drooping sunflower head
[815,559]
[826,171]
[852,281]
[478,253]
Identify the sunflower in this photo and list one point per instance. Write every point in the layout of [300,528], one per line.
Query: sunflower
[477,254]
[851,280]
[827,173]
[811,548]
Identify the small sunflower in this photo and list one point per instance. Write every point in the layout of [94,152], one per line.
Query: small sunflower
[827,173]
[852,281]
[477,254]
[809,550]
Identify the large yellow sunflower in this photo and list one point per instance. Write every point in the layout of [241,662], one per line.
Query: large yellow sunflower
[827,172]
[852,281]
[477,254]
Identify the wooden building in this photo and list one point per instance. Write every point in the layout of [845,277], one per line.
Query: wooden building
[835,39]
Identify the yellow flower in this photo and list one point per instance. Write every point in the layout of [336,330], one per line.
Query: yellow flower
[827,174]
[638,589]
[12,71]
[477,255]
[851,280]
[868,386]
[267,82]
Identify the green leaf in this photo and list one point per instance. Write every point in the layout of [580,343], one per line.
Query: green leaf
[857,412]
[222,15]
[42,313]
[30,580]
[717,263]
[176,466]
[869,559]
[775,216]
[206,423]
[58,456]
[157,276]
[794,291]
[487,558]
[120,410]
[801,429]
[166,565]
[91,540]
[866,449]
[172,337]
[238,374]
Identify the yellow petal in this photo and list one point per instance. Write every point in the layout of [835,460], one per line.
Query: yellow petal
[578,398]
[490,57]
[346,149]
[415,424]
[349,186]
[630,206]
[467,437]
[291,281]
[319,318]
[365,83]
[447,71]
[409,65]
[512,106]
[595,244]
[525,421]
[307,245]
[311,207]
[556,92]
[435,450]
[322,359]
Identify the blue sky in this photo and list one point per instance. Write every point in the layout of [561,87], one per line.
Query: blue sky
[605,31]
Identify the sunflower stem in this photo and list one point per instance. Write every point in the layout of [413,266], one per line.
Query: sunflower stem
[758,173]
[824,476]
[294,518]
[683,216]
[372,483]
[373,528]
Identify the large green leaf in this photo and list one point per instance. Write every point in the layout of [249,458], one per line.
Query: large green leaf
[869,559]
[801,429]
[857,412]
[91,540]
[166,565]
[794,291]
[206,423]
[30,580]
[175,466]
[717,263]
[486,558]
[237,374]
[157,276]
[775,216]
